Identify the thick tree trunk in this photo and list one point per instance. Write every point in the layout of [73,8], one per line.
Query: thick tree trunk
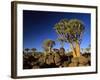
[77,49]
[73,50]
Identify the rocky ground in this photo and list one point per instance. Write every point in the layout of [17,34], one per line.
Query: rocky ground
[53,60]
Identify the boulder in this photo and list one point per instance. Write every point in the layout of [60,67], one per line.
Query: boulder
[75,60]
[65,64]
[35,67]
[57,59]
[62,51]
[55,50]
[83,60]
[49,59]
[81,65]
[73,64]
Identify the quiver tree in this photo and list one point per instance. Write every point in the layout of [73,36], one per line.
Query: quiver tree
[71,31]
[33,51]
[48,44]
[27,49]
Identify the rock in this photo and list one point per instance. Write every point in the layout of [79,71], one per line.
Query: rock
[41,59]
[55,50]
[81,65]
[87,65]
[49,59]
[65,64]
[57,59]
[89,58]
[83,60]
[74,60]
[73,64]
[35,67]
[62,51]
[65,58]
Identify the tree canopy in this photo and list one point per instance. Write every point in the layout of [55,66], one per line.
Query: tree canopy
[70,30]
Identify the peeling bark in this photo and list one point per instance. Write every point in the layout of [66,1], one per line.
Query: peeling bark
[77,49]
[73,50]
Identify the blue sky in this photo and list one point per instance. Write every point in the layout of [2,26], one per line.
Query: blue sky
[38,26]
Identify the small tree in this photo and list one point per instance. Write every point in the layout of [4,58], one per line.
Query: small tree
[48,44]
[27,49]
[71,31]
[33,51]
